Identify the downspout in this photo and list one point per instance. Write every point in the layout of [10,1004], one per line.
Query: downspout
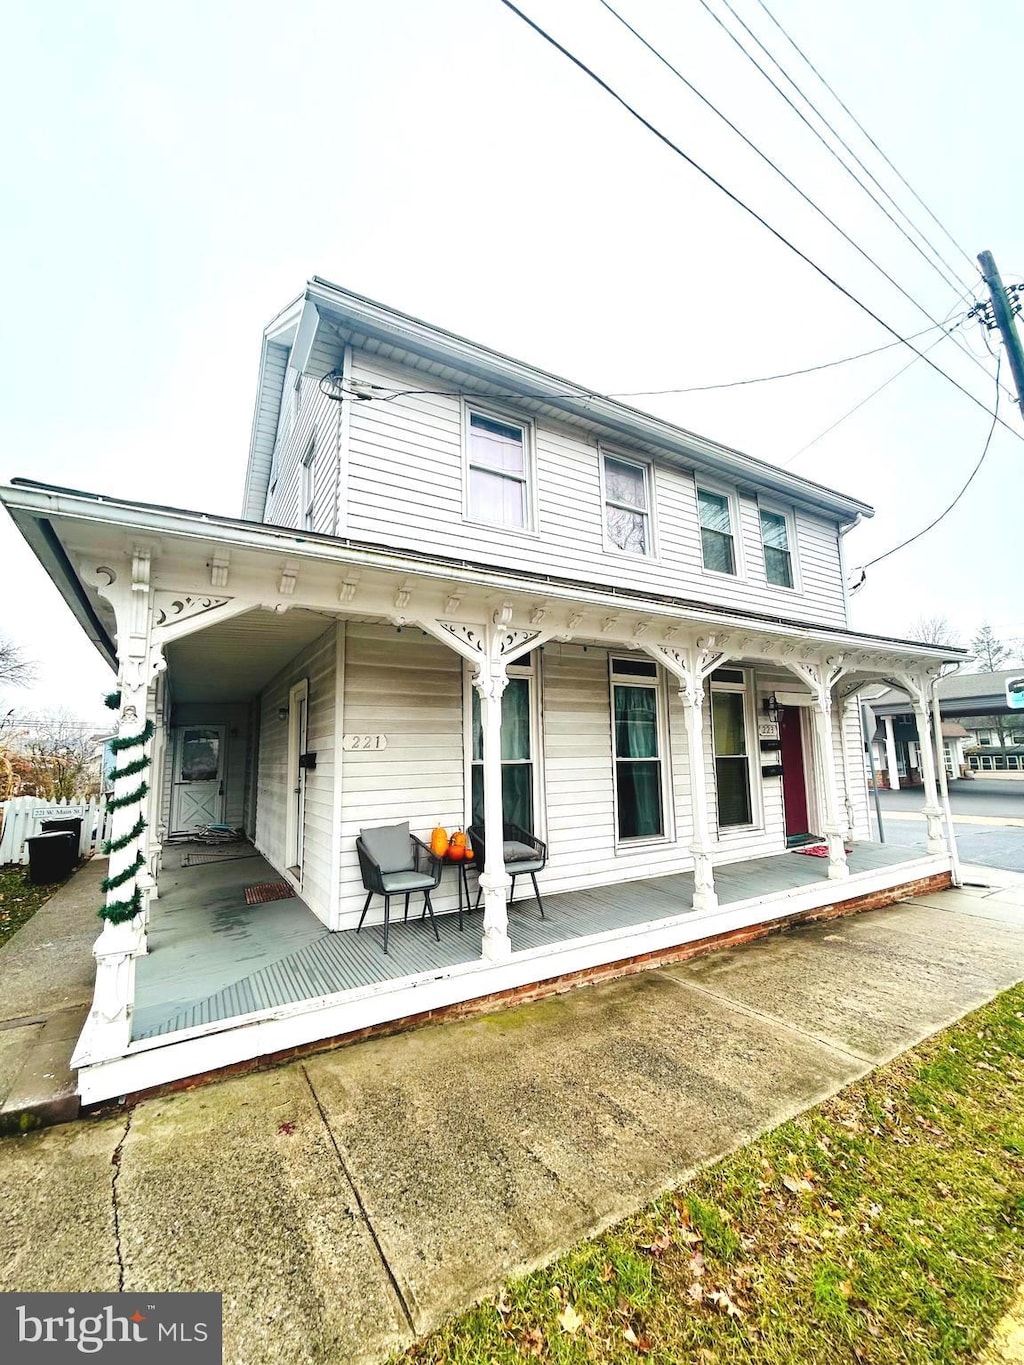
[844,528]
[940,762]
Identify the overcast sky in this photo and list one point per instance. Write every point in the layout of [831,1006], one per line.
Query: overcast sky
[174,175]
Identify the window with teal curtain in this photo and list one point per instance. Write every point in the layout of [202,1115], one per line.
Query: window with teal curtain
[732,769]
[637,762]
[516,757]
[716,532]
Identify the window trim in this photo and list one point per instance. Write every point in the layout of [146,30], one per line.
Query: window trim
[647,469]
[787,514]
[657,682]
[527,426]
[748,689]
[307,485]
[295,402]
[532,671]
[730,495]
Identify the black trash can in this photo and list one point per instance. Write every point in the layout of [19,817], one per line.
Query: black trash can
[71,823]
[51,857]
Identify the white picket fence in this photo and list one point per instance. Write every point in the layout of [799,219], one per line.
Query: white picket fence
[23,818]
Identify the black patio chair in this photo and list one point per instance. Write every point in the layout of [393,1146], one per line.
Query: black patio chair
[523,853]
[394,862]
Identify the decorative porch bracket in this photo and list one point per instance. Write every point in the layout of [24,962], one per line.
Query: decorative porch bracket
[821,676]
[691,664]
[490,647]
[918,689]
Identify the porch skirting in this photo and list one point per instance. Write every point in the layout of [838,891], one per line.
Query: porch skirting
[246,1042]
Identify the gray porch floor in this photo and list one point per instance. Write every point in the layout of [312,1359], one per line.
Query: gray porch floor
[213,957]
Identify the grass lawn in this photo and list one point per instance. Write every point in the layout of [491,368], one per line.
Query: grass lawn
[19,899]
[885,1225]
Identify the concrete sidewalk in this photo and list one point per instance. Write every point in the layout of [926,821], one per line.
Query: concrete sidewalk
[47,972]
[344,1203]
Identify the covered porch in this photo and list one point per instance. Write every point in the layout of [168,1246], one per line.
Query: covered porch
[230,982]
[668,750]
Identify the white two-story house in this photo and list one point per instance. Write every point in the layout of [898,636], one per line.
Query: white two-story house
[463,592]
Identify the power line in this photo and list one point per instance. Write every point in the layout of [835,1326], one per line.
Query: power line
[846,109]
[779,236]
[768,161]
[386,393]
[945,513]
[824,142]
[867,399]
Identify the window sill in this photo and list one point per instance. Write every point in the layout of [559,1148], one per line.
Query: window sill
[721,573]
[613,552]
[500,526]
[640,845]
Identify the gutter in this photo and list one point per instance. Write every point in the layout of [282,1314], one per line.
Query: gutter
[43,501]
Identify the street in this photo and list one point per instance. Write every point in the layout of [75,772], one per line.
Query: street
[988,816]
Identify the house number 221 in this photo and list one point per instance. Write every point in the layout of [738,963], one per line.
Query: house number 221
[364,741]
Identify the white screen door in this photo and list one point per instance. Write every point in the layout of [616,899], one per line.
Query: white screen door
[198,795]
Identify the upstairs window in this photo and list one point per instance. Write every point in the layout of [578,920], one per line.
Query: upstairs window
[497,471]
[778,560]
[307,492]
[716,534]
[626,506]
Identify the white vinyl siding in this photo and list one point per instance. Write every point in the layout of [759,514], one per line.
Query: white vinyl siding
[406,488]
[317,663]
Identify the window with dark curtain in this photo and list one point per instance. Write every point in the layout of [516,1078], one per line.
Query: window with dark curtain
[732,768]
[637,762]
[516,758]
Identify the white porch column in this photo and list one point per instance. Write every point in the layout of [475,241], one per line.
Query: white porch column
[820,678]
[918,690]
[691,664]
[892,769]
[490,682]
[704,894]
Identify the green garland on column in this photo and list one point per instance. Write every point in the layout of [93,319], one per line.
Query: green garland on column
[113,700]
[120,912]
[115,845]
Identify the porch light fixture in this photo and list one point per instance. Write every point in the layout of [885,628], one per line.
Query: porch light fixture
[282,713]
[771,707]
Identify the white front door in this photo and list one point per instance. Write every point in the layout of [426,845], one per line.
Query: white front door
[298,706]
[197,794]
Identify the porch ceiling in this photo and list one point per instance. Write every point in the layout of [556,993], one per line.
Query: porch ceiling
[234,660]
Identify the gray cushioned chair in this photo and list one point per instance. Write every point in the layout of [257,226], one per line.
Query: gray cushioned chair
[394,862]
[523,853]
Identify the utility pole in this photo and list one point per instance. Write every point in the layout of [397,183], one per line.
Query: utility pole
[1002,313]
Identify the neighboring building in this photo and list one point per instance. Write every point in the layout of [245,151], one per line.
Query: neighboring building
[976,717]
[467,590]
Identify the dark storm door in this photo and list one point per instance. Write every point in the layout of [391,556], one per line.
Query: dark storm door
[794,779]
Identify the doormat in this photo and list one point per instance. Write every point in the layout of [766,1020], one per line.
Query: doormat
[268,891]
[194,859]
[815,850]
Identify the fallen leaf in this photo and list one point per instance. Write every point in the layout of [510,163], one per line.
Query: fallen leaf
[569,1320]
[724,1302]
[660,1244]
[695,1293]
[797,1186]
[532,1342]
[607,1273]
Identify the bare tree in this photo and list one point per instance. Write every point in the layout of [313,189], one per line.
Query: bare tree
[63,759]
[15,669]
[933,630]
[991,654]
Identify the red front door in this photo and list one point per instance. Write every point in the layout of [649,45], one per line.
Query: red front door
[794,781]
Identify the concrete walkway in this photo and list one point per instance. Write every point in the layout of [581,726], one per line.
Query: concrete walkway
[47,972]
[342,1203]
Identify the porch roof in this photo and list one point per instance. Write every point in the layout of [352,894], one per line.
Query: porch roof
[278,568]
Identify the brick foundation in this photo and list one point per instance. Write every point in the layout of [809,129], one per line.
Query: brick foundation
[556,985]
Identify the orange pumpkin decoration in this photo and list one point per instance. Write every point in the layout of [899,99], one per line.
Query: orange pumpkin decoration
[439,842]
[458,846]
